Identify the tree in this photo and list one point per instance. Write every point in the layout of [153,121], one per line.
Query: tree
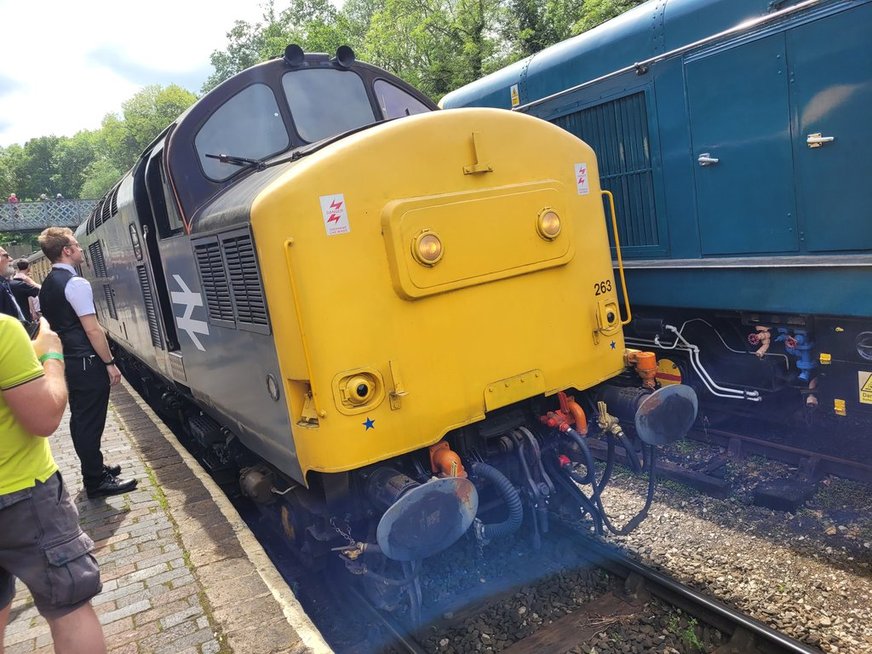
[314,25]
[71,159]
[145,115]
[595,12]
[435,45]
[100,176]
[36,168]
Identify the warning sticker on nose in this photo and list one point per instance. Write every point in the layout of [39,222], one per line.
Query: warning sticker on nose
[335,214]
[581,180]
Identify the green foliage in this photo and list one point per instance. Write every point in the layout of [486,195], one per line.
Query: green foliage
[87,164]
[145,115]
[435,45]
[71,158]
[599,11]
[315,25]
[687,632]
[100,176]
[37,166]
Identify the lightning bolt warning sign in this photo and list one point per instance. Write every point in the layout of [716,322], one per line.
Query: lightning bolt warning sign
[335,214]
[581,180]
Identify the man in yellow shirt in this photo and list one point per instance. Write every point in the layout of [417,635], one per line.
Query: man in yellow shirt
[41,541]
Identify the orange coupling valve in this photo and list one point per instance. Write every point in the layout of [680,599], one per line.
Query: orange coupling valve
[568,414]
[646,366]
[445,462]
[763,338]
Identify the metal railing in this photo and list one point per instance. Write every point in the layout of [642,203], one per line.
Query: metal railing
[25,216]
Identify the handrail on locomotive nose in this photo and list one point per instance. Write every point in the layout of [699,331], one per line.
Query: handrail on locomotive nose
[624,321]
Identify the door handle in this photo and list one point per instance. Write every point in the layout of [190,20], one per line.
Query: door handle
[816,140]
[705,159]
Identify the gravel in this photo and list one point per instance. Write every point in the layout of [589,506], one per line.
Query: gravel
[808,574]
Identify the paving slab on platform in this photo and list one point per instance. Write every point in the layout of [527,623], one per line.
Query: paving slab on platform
[182,573]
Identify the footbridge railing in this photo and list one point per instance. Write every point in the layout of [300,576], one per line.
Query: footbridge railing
[28,216]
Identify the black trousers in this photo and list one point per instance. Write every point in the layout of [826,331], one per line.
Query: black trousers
[88,386]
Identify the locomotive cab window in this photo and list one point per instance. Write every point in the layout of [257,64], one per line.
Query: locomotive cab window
[326,102]
[248,125]
[394,102]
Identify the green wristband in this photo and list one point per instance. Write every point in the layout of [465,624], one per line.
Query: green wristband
[51,355]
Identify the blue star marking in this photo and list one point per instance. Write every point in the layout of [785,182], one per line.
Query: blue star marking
[369,424]
[612,345]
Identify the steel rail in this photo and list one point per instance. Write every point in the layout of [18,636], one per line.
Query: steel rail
[823,463]
[402,639]
[730,621]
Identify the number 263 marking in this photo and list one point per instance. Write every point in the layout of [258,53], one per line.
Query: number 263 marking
[602,287]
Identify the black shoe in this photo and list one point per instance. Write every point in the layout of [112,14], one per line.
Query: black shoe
[112,470]
[111,486]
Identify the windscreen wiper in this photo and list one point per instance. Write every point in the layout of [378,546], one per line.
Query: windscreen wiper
[260,164]
[257,164]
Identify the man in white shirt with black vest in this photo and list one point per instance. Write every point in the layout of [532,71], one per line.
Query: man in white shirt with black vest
[67,302]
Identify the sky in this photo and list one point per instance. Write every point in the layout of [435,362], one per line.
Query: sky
[65,64]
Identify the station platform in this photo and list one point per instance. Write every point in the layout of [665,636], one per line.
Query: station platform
[181,572]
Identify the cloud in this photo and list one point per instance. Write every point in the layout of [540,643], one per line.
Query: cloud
[140,74]
[65,65]
[7,85]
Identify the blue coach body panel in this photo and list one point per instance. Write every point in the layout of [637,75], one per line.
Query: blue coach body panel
[706,146]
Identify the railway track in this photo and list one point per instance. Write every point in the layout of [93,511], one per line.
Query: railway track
[812,465]
[741,632]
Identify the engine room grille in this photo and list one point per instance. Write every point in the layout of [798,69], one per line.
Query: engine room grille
[97,260]
[110,301]
[245,280]
[214,277]
[150,309]
[618,132]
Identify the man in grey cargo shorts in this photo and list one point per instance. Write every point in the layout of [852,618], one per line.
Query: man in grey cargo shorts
[41,542]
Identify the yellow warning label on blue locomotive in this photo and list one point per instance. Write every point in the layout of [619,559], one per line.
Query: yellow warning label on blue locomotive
[865,383]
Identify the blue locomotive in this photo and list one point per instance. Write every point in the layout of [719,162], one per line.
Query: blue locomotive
[734,135]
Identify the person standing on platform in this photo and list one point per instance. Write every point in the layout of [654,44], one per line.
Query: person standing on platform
[8,303]
[25,290]
[67,300]
[41,541]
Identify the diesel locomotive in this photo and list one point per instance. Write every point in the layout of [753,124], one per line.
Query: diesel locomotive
[733,134]
[399,324]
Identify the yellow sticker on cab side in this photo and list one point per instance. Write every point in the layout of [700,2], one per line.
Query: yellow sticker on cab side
[864,380]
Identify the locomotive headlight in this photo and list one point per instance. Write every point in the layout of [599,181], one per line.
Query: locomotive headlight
[548,224]
[427,248]
[359,389]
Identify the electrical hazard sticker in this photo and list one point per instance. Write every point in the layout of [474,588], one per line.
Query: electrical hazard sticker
[516,96]
[581,179]
[335,214]
[864,380]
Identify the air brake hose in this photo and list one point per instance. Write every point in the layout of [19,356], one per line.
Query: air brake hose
[510,495]
[565,479]
[588,457]
[643,513]
[632,459]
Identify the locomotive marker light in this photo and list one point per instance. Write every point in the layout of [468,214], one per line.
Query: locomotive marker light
[548,224]
[427,248]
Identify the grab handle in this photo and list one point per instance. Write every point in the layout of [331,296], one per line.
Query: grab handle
[624,321]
